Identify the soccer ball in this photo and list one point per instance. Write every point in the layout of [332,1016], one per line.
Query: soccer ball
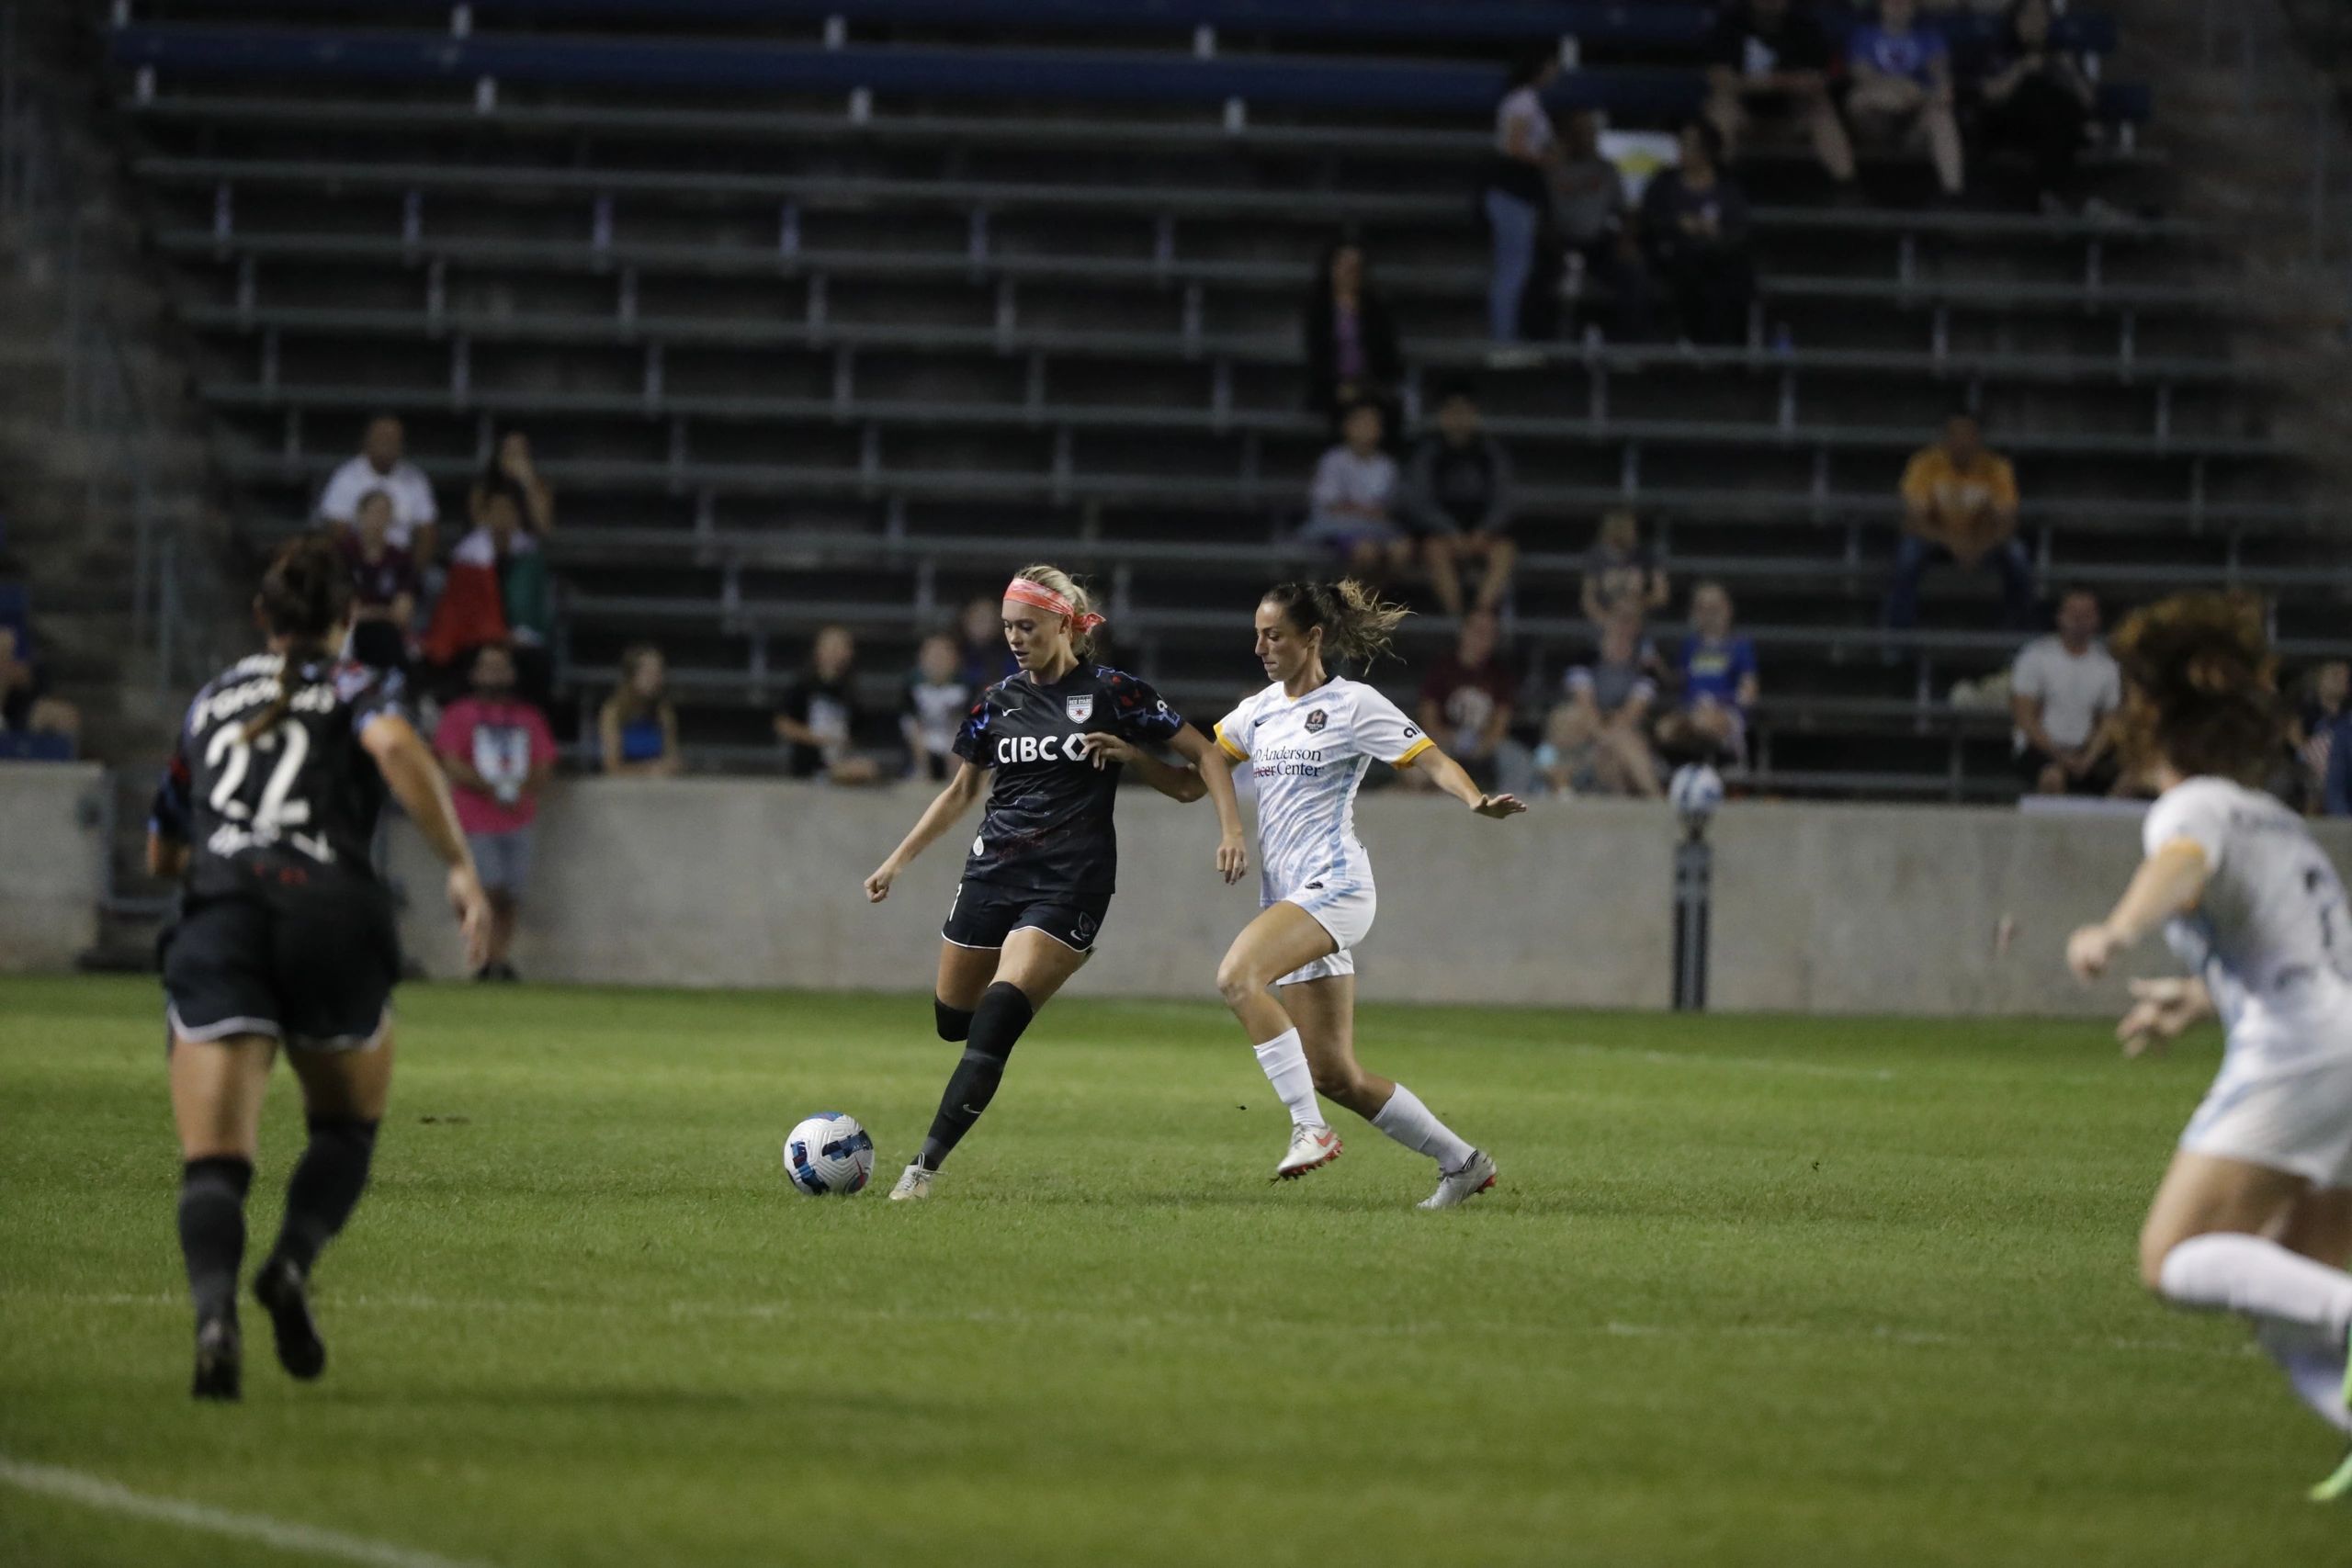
[829,1154]
[1695,791]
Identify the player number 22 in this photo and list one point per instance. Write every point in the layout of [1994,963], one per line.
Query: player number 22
[233,755]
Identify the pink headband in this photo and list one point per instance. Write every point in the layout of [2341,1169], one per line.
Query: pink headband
[1027,593]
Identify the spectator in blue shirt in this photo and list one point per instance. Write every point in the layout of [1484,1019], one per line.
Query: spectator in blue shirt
[1719,684]
[1902,91]
[2335,793]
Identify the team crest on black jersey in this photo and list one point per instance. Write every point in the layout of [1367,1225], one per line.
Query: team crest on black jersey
[1079,709]
[1316,720]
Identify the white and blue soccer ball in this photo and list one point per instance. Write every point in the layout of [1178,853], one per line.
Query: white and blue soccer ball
[829,1155]
[1695,791]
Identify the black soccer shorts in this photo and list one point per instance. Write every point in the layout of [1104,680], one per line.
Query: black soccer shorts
[315,970]
[983,915]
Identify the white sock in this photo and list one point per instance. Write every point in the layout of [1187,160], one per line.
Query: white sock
[1284,1061]
[2230,1272]
[2315,1369]
[1407,1120]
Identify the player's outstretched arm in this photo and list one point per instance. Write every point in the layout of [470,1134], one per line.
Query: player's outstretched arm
[2167,882]
[1233,844]
[967,784]
[416,782]
[1182,786]
[1450,776]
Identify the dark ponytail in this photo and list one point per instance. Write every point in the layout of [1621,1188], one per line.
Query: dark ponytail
[305,597]
[1356,623]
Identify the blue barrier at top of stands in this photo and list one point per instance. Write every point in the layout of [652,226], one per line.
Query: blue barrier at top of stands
[1653,22]
[1073,74]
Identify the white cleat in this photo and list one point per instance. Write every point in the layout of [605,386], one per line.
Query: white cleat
[914,1183]
[1311,1148]
[1477,1174]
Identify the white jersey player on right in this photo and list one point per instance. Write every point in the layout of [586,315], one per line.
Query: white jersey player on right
[1309,739]
[2255,1215]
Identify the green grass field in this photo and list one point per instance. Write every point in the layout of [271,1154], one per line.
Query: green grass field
[1754,1291]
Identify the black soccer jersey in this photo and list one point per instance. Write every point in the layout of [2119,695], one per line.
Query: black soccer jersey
[1047,824]
[296,804]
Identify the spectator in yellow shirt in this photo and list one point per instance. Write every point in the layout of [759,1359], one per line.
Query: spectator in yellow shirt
[1959,504]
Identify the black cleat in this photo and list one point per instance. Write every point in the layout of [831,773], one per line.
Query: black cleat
[219,1359]
[285,1294]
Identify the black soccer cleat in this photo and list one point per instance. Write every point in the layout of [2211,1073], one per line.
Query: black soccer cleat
[286,1295]
[219,1361]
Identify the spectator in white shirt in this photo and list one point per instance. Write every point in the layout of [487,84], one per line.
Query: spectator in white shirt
[381,464]
[1518,188]
[1351,506]
[2063,690]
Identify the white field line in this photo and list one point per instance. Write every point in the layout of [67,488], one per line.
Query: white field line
[305,1541]
[1452,1328]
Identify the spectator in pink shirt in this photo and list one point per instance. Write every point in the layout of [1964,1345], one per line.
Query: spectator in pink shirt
[500,755]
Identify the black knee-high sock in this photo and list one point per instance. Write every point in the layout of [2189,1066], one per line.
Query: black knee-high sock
[325,1187]
[954,1023]
[212,1230]
[997,1024]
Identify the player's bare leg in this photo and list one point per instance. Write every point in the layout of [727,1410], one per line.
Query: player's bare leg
[1022,977]
[343,1097]
[1283,938]
[1325,1011]
[217,1090]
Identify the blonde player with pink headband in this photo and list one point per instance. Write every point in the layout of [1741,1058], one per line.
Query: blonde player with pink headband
[1047,747]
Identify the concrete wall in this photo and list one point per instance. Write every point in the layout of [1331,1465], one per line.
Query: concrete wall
[1821,908]
[52,863]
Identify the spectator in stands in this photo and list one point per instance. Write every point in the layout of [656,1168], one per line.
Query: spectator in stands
[2063,692]
[1601,247]
[987,658]
[1352,503]
[1597,740]
[1718,684]
[1458,499]
[2038,101]
[636,729]
[1901,90]
[1518,188]
[1694,225]
[498,590]
[1769,65]
[937,699]
[1959,504]
[2336,780]
[820,717]
[1466,701]
[2320,708]
[383,585]
[510,470]
[499,755]
[383,465]
[1620,570]
[1351,350]
[26,707]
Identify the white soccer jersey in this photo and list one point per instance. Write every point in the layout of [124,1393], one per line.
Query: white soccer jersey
[1308,755]
[2269,935]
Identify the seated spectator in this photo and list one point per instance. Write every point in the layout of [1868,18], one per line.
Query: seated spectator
[2038,102]
[1694,228]
[511,467]
[1619,569]
[636,729]
[2063,690]
[499,755]
[382,465]
[1718,685]
[985,656]
[26,707]
[1601,247]
[1352,351]
[818,720]
[1597,740]
[1959,504]
[2321,700]
[1351,504]
[1769,67]
[937,699]
[383,585]
[1458,499]
[1517,191]
[1466,703]
[1901,88]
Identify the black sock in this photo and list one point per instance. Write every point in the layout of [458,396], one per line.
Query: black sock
[954,1023]
[212,1230]
[997,1024]
[325,1187]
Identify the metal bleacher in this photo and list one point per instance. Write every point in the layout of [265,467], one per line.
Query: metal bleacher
[788,292]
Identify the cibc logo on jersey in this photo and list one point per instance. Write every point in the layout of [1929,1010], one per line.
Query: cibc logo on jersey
[1039,747]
